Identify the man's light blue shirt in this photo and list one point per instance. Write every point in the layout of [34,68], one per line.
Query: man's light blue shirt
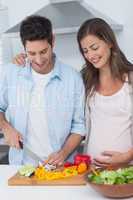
[64,103]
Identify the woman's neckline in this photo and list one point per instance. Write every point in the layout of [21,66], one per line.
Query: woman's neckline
[113,94]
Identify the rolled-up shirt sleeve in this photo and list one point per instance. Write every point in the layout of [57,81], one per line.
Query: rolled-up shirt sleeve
[78,121]
[3,91]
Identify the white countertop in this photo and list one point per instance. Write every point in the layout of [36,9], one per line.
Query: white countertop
[42,192]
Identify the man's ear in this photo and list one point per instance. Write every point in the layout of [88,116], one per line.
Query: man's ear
[53,40]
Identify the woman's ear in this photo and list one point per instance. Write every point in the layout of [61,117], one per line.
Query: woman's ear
[110,45]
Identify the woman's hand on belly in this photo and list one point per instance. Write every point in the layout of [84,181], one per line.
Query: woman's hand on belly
[113,158]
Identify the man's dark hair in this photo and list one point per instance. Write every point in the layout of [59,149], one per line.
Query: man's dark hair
[36,27]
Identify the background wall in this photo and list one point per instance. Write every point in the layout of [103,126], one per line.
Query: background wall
[66,45]
[19,9]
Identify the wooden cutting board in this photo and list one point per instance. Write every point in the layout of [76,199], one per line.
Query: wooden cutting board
[21,180]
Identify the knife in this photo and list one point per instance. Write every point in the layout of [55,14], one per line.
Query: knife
[30,153]
[35,157]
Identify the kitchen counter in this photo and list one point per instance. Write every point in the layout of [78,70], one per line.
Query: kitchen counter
[42,192]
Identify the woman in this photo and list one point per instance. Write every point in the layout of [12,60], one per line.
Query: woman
[107,76]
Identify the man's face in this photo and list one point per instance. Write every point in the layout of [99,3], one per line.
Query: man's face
[39,53]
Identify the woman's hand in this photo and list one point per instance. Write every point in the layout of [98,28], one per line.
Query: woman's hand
[19,59]
[113,158]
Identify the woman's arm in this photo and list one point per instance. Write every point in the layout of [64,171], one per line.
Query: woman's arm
[114,158]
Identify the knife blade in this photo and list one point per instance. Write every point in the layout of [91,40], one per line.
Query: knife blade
[30,153]
[42,162]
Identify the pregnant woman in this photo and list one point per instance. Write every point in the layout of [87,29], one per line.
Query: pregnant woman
[108,79]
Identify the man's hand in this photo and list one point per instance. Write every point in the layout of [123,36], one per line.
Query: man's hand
[57,158]
[19,59]
[12,137]
[112,158]
[71,143]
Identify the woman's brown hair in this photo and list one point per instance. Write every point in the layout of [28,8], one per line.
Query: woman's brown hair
[118,61]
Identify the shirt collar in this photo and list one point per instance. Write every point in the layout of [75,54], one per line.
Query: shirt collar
[57,69]
[26,71]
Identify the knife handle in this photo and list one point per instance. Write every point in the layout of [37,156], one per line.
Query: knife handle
[21,144]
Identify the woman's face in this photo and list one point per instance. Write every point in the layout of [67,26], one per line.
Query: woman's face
[96,51]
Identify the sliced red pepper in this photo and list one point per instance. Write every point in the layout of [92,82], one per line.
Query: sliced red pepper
[82,158]
[68,164]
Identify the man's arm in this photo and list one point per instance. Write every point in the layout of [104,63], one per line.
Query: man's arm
[77,126]
[70,145]
[12,136]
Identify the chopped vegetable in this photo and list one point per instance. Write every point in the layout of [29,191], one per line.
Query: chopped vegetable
[82,167]
[26,170]
[119,176]
[82,158]
[68,164]
[42,174]
[49,172]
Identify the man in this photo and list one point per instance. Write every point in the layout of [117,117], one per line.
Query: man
[44,100]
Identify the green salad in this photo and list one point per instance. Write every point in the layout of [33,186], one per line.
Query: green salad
[119,176]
